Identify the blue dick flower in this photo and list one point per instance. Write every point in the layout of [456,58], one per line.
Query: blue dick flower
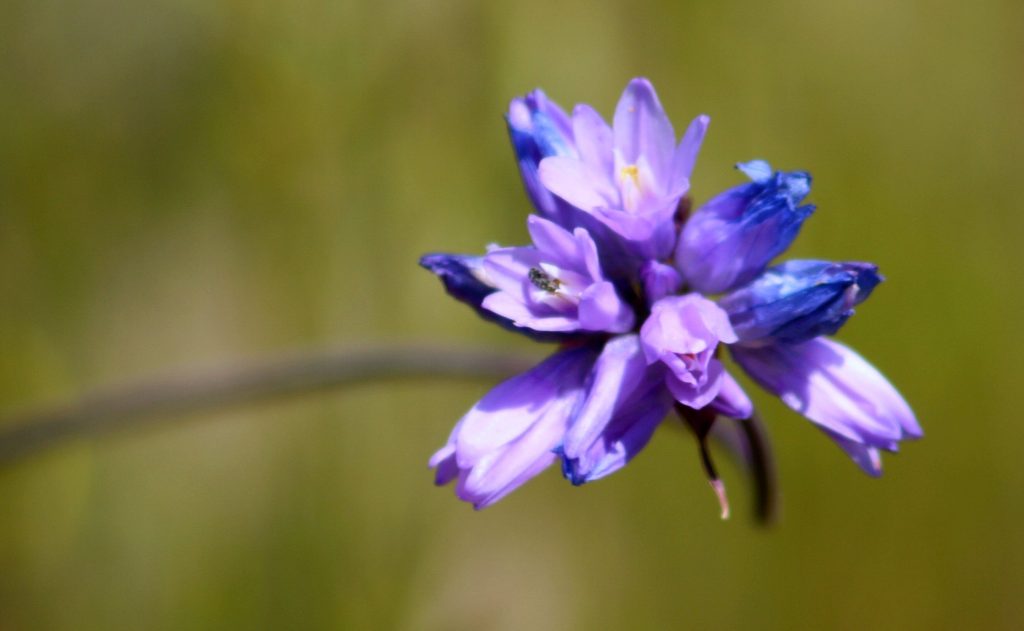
[733,237]
[622,280]
[622,182]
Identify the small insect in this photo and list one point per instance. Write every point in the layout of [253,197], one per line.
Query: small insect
[542,280]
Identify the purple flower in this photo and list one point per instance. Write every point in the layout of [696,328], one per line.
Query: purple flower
[839,391]
[733,237]
[683,333]
[799,300]
[630,176]
[555,285]
[619,275]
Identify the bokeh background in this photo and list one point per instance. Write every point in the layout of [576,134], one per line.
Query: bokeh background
[196,183]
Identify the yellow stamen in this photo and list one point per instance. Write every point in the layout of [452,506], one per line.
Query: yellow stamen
[631,171]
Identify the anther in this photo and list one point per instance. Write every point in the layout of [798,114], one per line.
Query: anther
[631,171]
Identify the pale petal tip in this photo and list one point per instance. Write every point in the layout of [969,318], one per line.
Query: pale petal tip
[640,82]
[723,500]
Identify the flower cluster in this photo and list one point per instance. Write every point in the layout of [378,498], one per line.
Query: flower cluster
[641,296]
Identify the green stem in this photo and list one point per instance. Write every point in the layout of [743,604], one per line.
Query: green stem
[139,404]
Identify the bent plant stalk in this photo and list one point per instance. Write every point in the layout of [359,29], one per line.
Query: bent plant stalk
[174,398]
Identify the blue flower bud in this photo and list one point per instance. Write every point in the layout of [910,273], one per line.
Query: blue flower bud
[733,237]
[540,129]
[799,300]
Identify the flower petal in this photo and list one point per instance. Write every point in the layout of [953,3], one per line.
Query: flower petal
[868,458]
[642,128]
[731,239]
[618,371]
[509,435]
[594,139]
[516,311]
[799,300]
[834,387]
[732,401]
[628,431]
[505,269]
[601,309]
[577,183]
[555,244]
[538,128]
[701,394]
[685,156]
[659,281]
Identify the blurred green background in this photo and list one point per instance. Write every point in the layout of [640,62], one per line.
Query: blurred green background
[192,183]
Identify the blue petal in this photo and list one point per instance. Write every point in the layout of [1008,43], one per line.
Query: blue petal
[799,300]
[538,129]
[731,239]
[757,170]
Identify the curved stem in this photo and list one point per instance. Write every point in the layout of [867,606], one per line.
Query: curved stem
[762,469]
[141,403]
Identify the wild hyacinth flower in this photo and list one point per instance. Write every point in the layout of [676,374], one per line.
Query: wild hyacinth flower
[615,279]
[683,333]
[629,177]
[555,285]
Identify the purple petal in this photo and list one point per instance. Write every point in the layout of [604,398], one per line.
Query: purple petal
[445,467]
[482,496]
[507,306]
[642,129]
[509,435]
[684,324]
[601,309]
[868,458]
[686,153]
[555,243]
[443,461]
[593,139]
[732,401]
[659,281]
[633,422]
[577,183]
[505,269]
[699,395]
[834,387]
[586,253]
[638,228]
[617,372]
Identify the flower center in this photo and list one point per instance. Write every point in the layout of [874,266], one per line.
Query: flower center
[631,172]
